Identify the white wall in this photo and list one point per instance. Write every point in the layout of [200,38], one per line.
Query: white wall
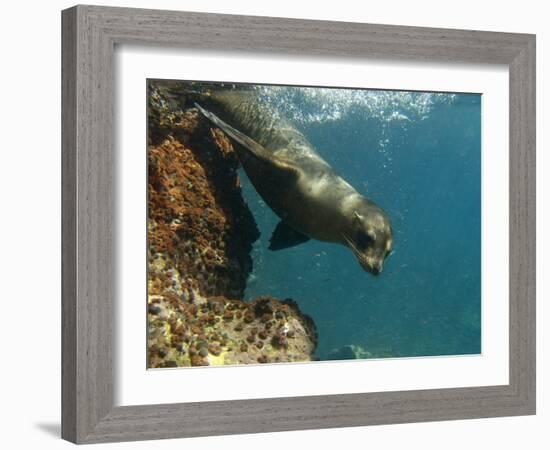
[30,224]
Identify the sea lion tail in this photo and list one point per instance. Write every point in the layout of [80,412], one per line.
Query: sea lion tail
[181,94]
[252,148]
[241,138]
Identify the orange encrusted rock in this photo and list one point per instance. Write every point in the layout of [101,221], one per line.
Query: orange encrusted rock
[200,235]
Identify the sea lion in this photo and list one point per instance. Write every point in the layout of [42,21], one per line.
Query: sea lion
[309,197]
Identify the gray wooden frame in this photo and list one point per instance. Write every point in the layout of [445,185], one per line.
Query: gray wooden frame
[89,37]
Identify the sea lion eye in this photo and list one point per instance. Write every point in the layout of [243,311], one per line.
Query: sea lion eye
[364,239]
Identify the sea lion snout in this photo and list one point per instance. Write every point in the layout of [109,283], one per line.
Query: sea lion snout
[375,266]
[371,264]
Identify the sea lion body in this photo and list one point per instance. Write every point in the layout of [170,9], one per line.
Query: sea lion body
[296,182]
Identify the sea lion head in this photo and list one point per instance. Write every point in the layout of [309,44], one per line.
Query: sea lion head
[369,235]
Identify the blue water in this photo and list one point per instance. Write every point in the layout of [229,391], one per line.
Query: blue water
[418,156]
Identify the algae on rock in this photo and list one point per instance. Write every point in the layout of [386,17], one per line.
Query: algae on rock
[200,235]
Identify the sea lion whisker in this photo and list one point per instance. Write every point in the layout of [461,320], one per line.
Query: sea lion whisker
[360,256]
[353,247]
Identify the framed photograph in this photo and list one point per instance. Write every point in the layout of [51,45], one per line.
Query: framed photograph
[278,224]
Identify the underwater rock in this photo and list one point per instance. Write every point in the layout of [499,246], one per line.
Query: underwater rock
[185,333]
[348,352]
[200,235]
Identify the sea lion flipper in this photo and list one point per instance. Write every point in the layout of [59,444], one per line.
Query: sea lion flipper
[254,148]
[285,236]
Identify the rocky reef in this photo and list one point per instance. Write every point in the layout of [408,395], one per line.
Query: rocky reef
[348,352]
[200,235]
